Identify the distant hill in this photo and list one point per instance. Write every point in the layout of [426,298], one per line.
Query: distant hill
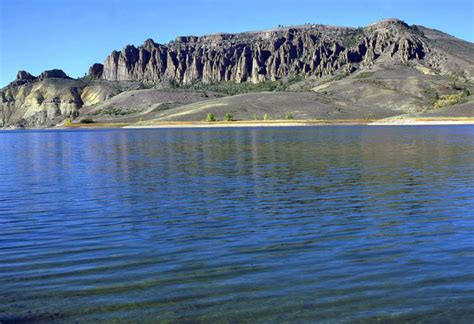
[385,69]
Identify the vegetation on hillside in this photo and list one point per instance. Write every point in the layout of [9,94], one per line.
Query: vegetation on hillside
[229,117]
[451,99]
[210,118]
[354,38]
[87,121]
[416,29]
[114,111]
[234,88]
[363,75]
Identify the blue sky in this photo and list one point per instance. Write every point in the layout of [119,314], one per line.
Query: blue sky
[37,35]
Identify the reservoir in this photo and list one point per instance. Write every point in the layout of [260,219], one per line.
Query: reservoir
[362,223]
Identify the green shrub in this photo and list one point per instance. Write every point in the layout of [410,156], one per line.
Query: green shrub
[234,88]
[452,99]
[266,116]
[210,118]
[143,86]
[341,76]
[417,30]
[289,116]
[87,121]
[295,79]
[363,75]
[354,38]
[114,111]
[433,98]
[229,117]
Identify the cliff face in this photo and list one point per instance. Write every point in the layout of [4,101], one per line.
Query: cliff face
[309,50]
[46,99]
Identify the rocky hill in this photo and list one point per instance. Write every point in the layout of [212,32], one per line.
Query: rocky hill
[309,50]
[383,69]
[46,100]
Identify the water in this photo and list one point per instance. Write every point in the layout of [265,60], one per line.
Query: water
[262,224]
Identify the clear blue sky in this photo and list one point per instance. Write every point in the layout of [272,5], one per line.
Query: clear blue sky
[37,35]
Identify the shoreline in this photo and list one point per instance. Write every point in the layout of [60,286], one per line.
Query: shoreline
[286,123]
[247,123]
[424,121]
[433,121]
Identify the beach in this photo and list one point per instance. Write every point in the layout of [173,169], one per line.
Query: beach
[278,123]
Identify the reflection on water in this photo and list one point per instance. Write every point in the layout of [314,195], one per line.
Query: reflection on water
[272,224]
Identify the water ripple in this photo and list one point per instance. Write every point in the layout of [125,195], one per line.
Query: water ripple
[346,224]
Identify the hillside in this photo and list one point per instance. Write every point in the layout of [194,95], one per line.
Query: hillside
[312,71]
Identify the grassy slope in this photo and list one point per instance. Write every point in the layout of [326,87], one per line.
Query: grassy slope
[277,105]
[371,94]
[132,106]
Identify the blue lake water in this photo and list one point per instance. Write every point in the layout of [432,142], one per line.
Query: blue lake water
[246,224]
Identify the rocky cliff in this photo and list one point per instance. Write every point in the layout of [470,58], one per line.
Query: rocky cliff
[48,98]
[388,65]
[309,50]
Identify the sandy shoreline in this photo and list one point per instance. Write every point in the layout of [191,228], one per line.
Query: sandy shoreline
[284,123]
[273,123]
[424,121]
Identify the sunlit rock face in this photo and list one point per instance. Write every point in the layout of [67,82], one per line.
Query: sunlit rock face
[47,99]
[309,50]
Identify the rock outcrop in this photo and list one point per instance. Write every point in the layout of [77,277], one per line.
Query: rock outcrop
[24,76]
[95,71]
[55,73]
[309,50]
[47,100]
